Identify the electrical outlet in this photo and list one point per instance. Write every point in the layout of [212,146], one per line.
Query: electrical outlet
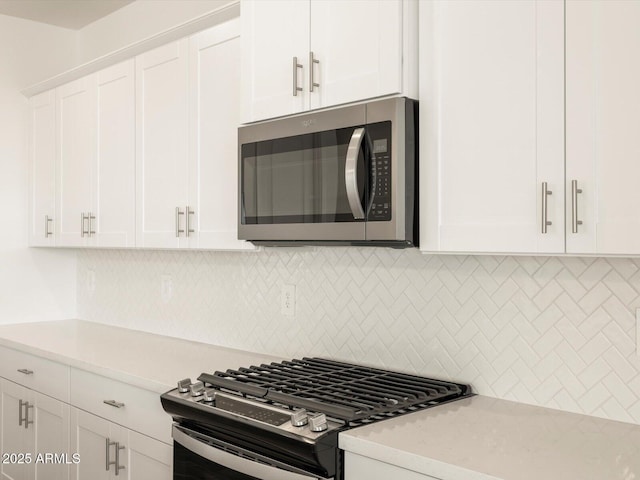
[166,288]
[638,332]
[288,300]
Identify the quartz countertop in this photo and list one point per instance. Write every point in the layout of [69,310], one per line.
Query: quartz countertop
[482,438]
[146,360]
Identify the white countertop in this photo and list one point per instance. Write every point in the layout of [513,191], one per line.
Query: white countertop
[146,360]
[486,438]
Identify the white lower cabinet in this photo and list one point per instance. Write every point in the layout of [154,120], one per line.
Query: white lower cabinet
[107,449]
[35,435]
[358,467]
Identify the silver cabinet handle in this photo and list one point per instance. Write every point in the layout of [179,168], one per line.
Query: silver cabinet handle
[178,213]
[187,217]
[574,206]
[26,371]
[296,66]
[113,403]
[118,466]
[90,230]
[27,422]
[311,62]
[108,444]
[351,173]
[47,220]
[545,219]
[20,419]
[82,219]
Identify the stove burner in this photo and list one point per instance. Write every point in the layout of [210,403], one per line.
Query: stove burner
[343,391]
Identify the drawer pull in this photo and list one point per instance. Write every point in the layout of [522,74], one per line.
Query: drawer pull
[25,371]
[113,403]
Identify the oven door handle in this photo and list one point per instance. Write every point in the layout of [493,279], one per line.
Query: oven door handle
[351,173]
[234,462]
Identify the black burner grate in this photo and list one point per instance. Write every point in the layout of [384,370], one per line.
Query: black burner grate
[340,390]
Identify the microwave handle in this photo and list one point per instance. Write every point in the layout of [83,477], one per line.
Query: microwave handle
[351,173]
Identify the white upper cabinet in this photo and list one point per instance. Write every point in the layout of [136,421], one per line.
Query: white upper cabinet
[214,64]
[162,145]
[492,126]
[306,54]
[603,127]
[42,153]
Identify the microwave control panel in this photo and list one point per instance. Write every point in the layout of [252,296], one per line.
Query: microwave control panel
[380,146]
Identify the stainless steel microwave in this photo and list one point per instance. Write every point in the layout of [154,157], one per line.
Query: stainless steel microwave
[335,177]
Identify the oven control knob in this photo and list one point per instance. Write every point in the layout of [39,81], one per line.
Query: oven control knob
[318,423]
[209,396]
[197,389]
[299,418]
[183,385]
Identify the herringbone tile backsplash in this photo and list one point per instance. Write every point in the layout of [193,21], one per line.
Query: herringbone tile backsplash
[557,332]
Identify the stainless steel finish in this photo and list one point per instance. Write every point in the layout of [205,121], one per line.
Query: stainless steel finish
[178,213]
[187,217]
[296,66]
[90,230]
[311,62]
[26,371]
[118,466]
[318,423]
[574,206]
[351,173]
[209,395]
[108,444]
[47,220]
[82,219]
[241,464]
[113,403]
[20,405]
[183,385]
[545,220]
[299,418]
[197,389]
[27,422]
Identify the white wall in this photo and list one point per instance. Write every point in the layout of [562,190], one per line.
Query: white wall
[34,284]
[138,21]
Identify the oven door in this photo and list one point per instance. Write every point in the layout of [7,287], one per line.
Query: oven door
[200,457]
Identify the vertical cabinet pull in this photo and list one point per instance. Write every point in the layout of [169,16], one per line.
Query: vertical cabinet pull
[296,66]
[178,230]
[545,213]
[108,444]
[312,60]
[20,419]
[90,218]
[24,420]
[47,221]
[574,206]
[118,466]
[187,217]
[83,217]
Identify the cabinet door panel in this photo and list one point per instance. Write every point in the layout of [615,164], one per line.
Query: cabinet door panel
[161,143]
[215,97]
[14,436]
[148,459]
[493,79]
[88,438]
[272,34]
[359,47]
[76,110]
[114,175]
[603,121]
[42,151]
[51,436]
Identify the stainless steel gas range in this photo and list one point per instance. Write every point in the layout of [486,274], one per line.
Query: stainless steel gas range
[281,421]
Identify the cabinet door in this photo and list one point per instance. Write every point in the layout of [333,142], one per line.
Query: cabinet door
[14,436]
[50,436]
[214,63]
[114,173]
[42,143]
[161,145]
[492,126]
[603,121]
[89,437]
[273,33]
[76,111]
[147,458]
[359,48]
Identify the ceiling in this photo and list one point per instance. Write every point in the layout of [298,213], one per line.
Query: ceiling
[72,14]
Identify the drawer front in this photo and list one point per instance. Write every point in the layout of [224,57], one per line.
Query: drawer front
[37,373]
[359,467]
[129,406]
